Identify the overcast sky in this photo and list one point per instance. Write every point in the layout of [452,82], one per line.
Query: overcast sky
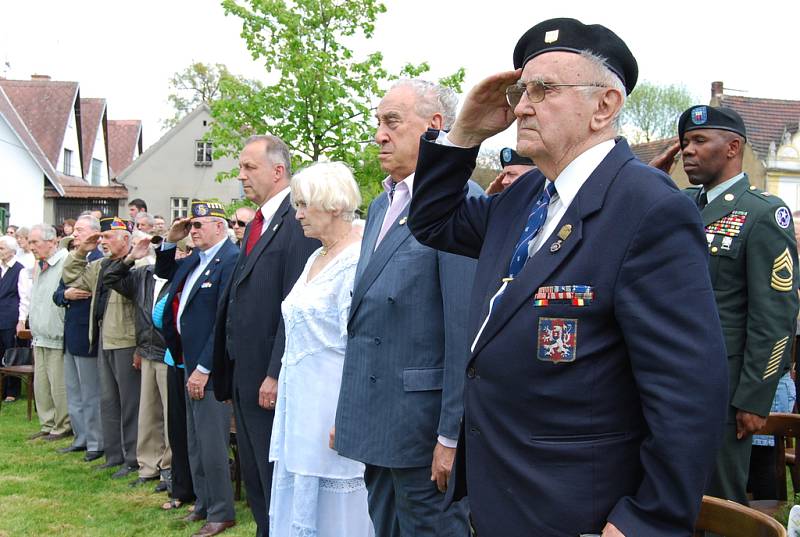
[127,51]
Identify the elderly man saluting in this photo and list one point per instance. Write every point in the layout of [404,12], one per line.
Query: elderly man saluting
[596,386]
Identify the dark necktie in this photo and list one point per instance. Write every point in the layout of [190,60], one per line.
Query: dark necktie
[43,265]
[703,201]
[255,232]
[535,222]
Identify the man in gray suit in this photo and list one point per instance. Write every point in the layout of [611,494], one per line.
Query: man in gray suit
[401,396]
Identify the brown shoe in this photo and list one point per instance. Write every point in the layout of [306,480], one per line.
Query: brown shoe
[53,437]
[40,434]
[193,517]
[214,528]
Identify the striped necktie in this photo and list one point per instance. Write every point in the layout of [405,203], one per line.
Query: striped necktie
[535,223]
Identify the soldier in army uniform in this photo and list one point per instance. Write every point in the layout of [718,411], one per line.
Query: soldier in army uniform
[752,259]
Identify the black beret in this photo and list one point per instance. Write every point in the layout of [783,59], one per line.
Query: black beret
[707,117]
[113,223]
[570,35]
[509,157]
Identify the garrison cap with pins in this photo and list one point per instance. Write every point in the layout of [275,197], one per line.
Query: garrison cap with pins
[509,157]
[202,208]
[571,35]
[708,117]
[113,223]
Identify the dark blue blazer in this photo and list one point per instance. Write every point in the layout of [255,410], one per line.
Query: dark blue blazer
[195,343]
[76,319]
[625,431]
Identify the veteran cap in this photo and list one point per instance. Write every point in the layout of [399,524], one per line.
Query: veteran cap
[202,208]
[509,157]
[708,117]
[113,223]
[570,35]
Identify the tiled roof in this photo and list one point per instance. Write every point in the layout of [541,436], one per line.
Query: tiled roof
[75,187]
[9,113]
[124,143]
[45,107]
[646,151]
[92,111]
[765,119]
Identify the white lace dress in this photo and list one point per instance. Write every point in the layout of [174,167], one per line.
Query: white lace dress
[315,492]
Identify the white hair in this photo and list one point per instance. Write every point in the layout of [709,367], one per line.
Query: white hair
[328,186]
[606,77]
[9,242]
[145,216]
[48,232]
[90,219]
[432,99]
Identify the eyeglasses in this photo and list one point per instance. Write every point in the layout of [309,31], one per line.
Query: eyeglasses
[197,224]
[536,90]
[238,223]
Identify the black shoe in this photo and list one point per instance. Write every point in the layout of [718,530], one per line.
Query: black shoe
[92,456]
[71,449]
[107,465]
[124,471]
[142,481]
[162,486]
[40,434]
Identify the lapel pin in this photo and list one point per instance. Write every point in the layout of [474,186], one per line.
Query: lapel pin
[729,197]
[564,232]
[402,221]
[556,246]
[275,227]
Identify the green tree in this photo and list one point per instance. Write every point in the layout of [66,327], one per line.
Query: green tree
[321,103]
[651,111]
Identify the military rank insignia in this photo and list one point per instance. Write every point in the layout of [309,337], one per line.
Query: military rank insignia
[776,357]
[729,225]
[782,272]
[576,295]
[557,340]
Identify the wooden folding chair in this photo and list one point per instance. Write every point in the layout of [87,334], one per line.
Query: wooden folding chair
[22,372]
[723,517]
[783,426]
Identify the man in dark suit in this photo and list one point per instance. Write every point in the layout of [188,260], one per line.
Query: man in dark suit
[597,384]
[400,400]
[250,339]
[196,284]
[81,371]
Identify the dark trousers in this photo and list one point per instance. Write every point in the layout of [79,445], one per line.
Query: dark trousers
[253,433]
[729,478]
[404,502]
[119,405]
[763,481]
[11,385]
[182,488]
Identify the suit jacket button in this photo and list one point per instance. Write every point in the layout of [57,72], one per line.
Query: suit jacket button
[351,335]
[390,300]
[377,341]
[471,372]
[474,430]
[373,379]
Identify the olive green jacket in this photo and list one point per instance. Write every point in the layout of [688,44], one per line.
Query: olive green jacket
[753,267]
[119,319]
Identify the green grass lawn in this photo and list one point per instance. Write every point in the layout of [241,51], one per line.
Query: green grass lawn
[45,493]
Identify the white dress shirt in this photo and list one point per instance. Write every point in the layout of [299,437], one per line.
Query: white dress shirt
[270,207]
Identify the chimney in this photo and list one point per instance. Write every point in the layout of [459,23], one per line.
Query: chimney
[40,77]
[716,91]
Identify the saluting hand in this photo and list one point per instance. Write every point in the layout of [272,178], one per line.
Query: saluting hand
[666,159]
[179,229]
[140,250]
[89,243]
[496,186]
[485,111]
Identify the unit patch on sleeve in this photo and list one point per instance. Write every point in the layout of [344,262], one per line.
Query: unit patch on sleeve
[783,217]
[782,272]
[557,340]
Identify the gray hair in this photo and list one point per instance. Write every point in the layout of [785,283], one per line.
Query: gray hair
[432,99]
[605,76]
[276,149]
[23,231]
[48,232]
[145,216]
[328,186]
[90,219]
[9,242]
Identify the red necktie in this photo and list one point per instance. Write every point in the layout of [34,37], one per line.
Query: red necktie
[255,232]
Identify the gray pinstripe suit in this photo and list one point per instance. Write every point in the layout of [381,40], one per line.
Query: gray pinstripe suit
[403,373]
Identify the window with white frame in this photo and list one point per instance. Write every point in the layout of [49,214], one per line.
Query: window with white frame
[203,152]
[67,162]
[180,207]
[97,172]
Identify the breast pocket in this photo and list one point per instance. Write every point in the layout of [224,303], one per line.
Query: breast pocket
[724,255]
